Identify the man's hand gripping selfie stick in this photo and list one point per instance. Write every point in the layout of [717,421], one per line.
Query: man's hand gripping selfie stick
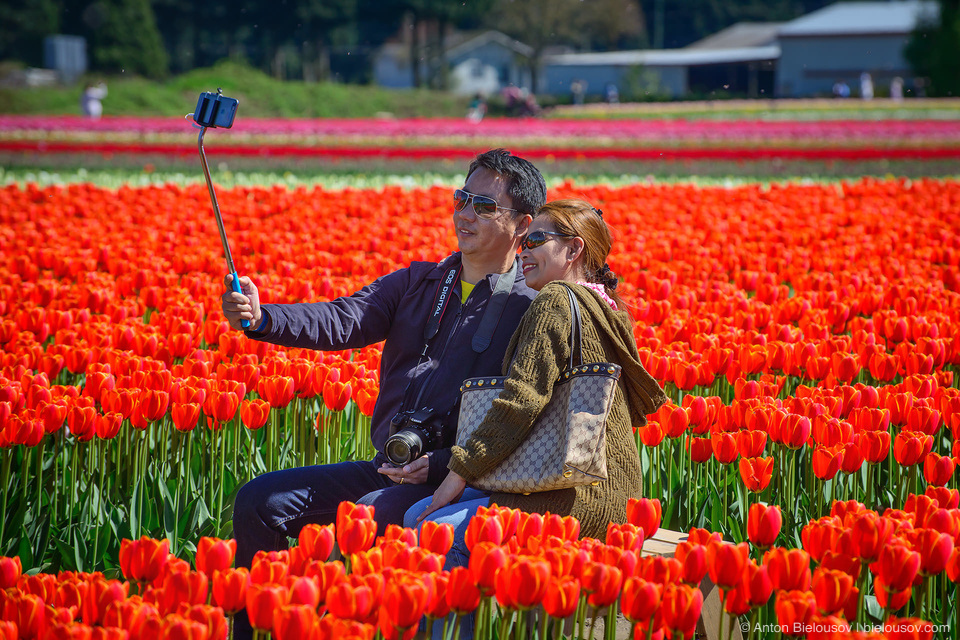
[216,110]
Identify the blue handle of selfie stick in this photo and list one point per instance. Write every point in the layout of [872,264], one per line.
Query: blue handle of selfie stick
[235,283]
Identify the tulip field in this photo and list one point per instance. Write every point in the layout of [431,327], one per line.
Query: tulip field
[807,333]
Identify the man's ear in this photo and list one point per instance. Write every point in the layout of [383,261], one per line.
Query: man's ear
[523,225]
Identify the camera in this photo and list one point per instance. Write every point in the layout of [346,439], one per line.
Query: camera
[411,436]
[215,110]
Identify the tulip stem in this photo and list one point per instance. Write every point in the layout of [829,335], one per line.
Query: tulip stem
[925,597]
[505,623]
[222,480]
[610,628]
[753,622]
[582,613]
[39,453]
[7,454]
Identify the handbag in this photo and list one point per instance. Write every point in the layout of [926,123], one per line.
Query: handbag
[567,444]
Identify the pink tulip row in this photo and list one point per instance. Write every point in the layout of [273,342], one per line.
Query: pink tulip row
[451,130]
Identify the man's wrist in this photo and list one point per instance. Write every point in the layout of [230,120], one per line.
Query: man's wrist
[264,322]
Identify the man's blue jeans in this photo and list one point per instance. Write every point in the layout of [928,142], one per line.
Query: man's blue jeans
[458,515]
[276,506]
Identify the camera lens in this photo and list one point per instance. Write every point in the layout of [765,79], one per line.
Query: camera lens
[403,447]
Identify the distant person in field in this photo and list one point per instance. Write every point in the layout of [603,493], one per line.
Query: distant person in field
[436,330]
[866,86]
[90,100]
[896,89]
[841,89]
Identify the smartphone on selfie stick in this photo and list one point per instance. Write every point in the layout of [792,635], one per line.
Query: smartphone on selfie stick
[217,111]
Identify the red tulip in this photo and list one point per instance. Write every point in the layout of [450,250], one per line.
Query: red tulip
[645,513]
[190,587]
[214,555]
[795,430]
[484,528]
[143,560]
[875,445]
[725,563]
[210,617]
[296,622]
[463,594]
[724,446]
[909,447]
[794,611]
[889,598]
[907,629]
[277,390]
[10,572]
[270,567]
[750,444]
[230,589]
[351,599]
[680,609]
[262,601]
[185,416]
[763,525]
[436,537]
[870,533]
[937,469]
[831,589]
[356,528]
[896,567]
[693,562]
[640,599]
[522,583]
[701,449]
[254,413]
[934,549]
[437,584]
[756,473]
[317,541]
[336,395]
[789,569]
[486,559]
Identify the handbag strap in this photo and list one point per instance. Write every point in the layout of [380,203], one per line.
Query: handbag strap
[576,345]
[576,348]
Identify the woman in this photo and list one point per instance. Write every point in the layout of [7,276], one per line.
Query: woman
[567,241]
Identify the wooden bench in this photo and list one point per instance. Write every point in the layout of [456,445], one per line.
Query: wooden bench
[664,543]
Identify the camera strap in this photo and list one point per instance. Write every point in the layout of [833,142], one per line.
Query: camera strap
[447,283]
[488,322]
[491,315]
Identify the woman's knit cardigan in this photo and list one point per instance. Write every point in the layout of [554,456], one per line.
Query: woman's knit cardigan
[540,350]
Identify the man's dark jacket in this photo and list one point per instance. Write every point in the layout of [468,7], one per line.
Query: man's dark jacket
[395,308]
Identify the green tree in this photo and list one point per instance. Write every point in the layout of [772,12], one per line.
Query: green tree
[124,38]
[23,25]
[585,23]
[934,49]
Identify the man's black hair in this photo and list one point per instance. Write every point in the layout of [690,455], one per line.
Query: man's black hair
[526,185]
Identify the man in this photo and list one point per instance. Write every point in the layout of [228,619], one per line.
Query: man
[430,348]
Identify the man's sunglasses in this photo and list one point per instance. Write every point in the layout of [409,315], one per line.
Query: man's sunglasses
[483,206]
[538,238]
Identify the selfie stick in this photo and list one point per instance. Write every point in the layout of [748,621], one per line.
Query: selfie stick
[223,234]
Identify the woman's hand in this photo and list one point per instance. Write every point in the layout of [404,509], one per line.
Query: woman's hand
[448,492]
[414,473]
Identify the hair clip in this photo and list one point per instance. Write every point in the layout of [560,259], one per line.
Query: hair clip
[599,212]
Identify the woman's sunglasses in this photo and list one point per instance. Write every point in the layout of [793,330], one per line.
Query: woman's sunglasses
[483,206]
[538,238]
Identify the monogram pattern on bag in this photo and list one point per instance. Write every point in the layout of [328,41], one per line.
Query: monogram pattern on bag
[567,446]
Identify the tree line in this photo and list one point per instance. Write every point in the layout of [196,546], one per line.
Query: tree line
[318,39]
